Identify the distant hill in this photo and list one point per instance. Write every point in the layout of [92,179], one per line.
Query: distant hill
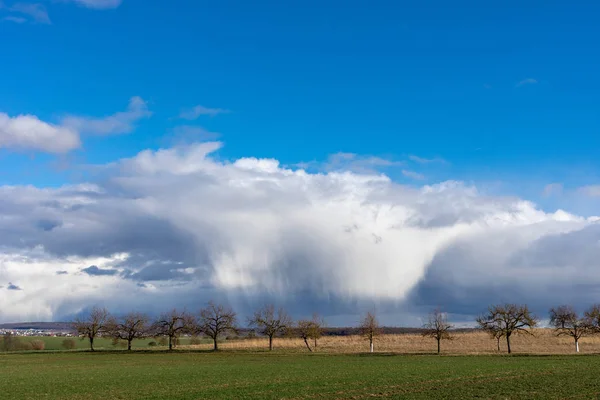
[48,326]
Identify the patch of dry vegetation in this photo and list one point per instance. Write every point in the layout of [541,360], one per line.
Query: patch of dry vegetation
[544,341]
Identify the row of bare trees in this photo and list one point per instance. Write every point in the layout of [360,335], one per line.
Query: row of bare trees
[214,321]
[500,321]
[504,321]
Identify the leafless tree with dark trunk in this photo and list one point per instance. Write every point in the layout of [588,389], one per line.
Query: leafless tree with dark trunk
[506,320]
[304,328]
[92,325]
[566,322]
[216,320]
[437,327]
[172,325]
[369,328]
[271,323]
[317,328]
[129,327]
[592,318]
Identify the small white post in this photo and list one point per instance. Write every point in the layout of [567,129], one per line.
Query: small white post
[371,347]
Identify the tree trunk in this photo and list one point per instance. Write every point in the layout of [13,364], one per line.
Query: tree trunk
[216,346]
[307,346]
[315,343]
[92,343]
[577,345]
[498,343]
[438,346]
[371,344]
[170,343]
[129,345]
[270,343]
[508,343]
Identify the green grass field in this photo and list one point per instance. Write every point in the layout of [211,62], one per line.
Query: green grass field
[243,375]
[55,343]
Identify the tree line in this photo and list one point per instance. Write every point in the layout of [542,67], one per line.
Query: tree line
[501,321]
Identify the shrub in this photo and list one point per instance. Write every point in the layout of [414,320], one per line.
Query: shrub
[38,344]
[163,341]
[10,342]
[152,344]
[69,344]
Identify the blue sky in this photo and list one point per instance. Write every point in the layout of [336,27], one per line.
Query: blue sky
[502,97]
[307,79]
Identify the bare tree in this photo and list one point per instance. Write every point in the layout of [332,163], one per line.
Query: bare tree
[93,325]
[271,323]
[310,329]
[437,327]
[316,330]
[369,328]
[506,320]
[566,322]
[129,327]
[172,325]
[216,320]
[592,318]
[305,329]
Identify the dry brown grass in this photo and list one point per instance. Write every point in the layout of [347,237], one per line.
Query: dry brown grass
[544,342]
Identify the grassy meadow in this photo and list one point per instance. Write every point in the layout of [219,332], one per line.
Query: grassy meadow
[56,343]
[403,367]
[293,375]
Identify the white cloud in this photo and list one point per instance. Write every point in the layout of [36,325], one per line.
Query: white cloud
[351,162]
[197,111]
[181,227]
[121,122]
[528,81]
[552,189]
[17,20]
[36,11]
[590,190]
[27,132]
[422,160]
[98,4]
[412,174]
[190,134]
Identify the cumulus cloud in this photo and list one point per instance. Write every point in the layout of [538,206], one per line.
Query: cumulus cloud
[121,122]
[28,132]
[177,227]
[197,111]
[98,4]
[24,132]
